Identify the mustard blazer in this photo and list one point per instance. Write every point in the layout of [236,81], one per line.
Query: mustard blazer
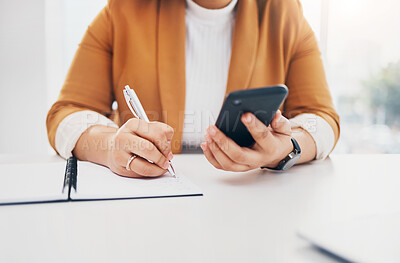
[142,43]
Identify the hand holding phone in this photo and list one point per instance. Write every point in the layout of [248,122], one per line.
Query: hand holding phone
[250,131]
[262,102]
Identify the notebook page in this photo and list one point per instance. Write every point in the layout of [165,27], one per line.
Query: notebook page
[33,182]
[98,182]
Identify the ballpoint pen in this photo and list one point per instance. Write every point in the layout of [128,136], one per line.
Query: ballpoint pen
[137,110]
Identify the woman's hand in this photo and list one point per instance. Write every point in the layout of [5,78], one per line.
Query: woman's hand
[148,141]
[272,144]
[114,147]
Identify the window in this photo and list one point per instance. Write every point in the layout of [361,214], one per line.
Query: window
[360,40]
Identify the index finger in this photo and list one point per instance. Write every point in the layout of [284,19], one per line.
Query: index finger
[240,155]
[159,134]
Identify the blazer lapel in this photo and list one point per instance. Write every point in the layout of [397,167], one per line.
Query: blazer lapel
[171,65]
[244,46]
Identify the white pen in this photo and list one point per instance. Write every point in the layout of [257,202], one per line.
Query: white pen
[137,110]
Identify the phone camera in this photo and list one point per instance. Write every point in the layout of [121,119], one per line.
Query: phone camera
[236,102]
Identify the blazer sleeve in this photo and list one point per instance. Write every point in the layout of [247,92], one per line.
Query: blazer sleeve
[88,84]
[306,80]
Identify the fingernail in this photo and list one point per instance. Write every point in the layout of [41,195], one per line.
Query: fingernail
[207,138]
[212,131]
[248,118]
[170,156]
[203,146]
[166,164]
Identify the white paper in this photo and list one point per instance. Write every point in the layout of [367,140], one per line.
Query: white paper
[96,182]
[33,182]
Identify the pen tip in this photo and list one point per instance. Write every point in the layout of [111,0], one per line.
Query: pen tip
[171,170]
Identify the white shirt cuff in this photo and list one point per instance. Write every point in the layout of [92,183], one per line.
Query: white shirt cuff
[71,128]
[319,129]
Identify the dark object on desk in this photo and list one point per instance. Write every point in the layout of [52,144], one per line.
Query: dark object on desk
[372,238]
[71,171]
[262,102]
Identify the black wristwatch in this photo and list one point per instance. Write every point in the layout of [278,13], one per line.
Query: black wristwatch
[289,160]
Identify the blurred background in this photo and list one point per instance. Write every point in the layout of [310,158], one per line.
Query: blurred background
[359,40]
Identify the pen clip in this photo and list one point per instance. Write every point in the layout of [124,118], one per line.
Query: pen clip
[128,100]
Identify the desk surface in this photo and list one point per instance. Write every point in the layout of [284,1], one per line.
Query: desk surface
[242,217]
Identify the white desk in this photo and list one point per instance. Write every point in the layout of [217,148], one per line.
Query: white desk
[244,217]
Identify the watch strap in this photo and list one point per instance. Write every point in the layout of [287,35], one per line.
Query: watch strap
[282,165]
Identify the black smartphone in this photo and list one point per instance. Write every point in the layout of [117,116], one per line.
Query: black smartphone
[262,102]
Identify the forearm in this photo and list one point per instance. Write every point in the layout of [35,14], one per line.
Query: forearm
[307,145]
[94,144]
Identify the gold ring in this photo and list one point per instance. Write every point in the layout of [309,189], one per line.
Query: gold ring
[127,167]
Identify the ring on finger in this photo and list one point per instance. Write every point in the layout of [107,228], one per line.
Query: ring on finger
[128,164]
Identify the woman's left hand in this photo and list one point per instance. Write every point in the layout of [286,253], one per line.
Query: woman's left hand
[272,144]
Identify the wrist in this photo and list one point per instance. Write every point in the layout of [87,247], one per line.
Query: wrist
[307,144]
[283,150]
[111,146]
[95,144]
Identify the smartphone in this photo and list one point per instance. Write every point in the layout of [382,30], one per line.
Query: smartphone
[262,102]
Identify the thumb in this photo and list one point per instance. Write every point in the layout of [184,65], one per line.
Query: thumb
[257,129]
[281,125]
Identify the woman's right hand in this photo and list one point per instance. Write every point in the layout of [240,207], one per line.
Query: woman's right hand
[148,141]
[114,147]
